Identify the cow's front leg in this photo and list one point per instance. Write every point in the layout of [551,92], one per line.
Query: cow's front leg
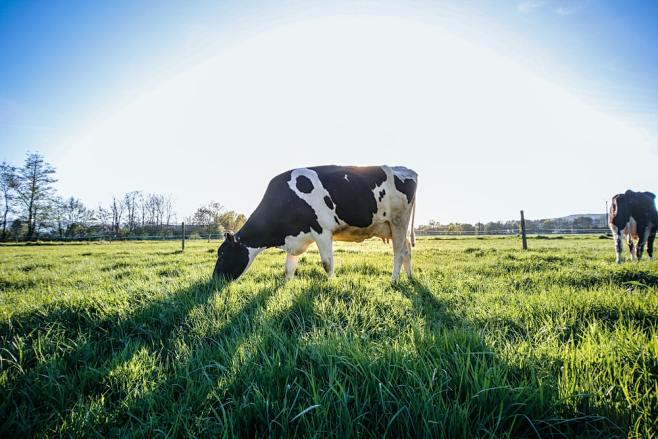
[618,236]
[652,238]
[325,246]
[291,265]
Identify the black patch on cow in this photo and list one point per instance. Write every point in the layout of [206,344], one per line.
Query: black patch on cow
[381,194]
[232,260]
[384,214]
[639,205]
[304,184]
[337,220]
[280,213]
[353,197]
[407,187]
[328,202]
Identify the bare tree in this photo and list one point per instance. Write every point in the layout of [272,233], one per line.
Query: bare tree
[150,209]
[57,214]
[35,188]
[169,213]
[159,208]
[104,217]
[117,213]
[8,185]
[131,202]
[141,205]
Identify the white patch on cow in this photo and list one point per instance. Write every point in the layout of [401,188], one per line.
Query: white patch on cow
[253,252]
[315,198]
[297,244]
[347,179]
[404,173]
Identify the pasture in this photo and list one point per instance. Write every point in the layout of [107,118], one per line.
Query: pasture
[131,339]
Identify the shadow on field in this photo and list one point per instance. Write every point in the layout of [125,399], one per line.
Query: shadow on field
[294,367]
[507,399]
[39,395]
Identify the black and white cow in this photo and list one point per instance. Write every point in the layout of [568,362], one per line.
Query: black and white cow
[322,204]
[634,214]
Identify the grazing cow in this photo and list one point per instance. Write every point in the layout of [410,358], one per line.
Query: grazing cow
[320,204]
[634,214]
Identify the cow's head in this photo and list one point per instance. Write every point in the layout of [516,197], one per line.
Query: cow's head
[232,258]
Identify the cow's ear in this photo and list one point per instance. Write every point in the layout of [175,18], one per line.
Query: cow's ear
[229,237]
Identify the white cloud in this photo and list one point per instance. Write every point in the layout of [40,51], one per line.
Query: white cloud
[560,8]
[527,6]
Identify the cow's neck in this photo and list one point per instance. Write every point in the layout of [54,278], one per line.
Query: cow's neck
[252,235]
[246,235]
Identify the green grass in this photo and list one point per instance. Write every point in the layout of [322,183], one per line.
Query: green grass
[131,339]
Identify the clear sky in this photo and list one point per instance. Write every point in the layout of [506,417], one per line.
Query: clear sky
[547,106]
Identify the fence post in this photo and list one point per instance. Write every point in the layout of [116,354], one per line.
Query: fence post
[523,237]
[183,240]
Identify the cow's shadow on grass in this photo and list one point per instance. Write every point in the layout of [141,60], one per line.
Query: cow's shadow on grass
[298,367]
[509,399]
[45,389]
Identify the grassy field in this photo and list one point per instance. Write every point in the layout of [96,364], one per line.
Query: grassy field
[486,341]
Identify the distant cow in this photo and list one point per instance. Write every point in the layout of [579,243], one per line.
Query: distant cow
[634,214]
[320,204]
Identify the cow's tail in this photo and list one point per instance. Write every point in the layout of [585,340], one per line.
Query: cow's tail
[413,220]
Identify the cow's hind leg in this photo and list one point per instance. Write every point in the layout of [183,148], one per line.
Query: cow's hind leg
[643,234]
[631,247]
[325,246]
[400,249]
[652,238]
[406,261]
[291,265]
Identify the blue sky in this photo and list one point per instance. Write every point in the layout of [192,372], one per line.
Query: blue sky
[544,105]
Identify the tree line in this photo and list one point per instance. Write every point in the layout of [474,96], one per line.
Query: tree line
[532,226]
[32,209]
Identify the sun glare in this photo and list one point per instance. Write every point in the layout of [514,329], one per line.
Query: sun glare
[355,90]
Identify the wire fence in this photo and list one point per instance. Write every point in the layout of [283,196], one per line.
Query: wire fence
[513,232]
[176,234]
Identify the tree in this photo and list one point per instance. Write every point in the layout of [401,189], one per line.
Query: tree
[131,200]
[583,222]
[169,213]
[75,214]
[117,212]
[58,215]
[104,217]
[8,185]
[203,216]
[34,189]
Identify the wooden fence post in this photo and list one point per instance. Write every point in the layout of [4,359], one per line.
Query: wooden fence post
[183,240]
[523,237]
